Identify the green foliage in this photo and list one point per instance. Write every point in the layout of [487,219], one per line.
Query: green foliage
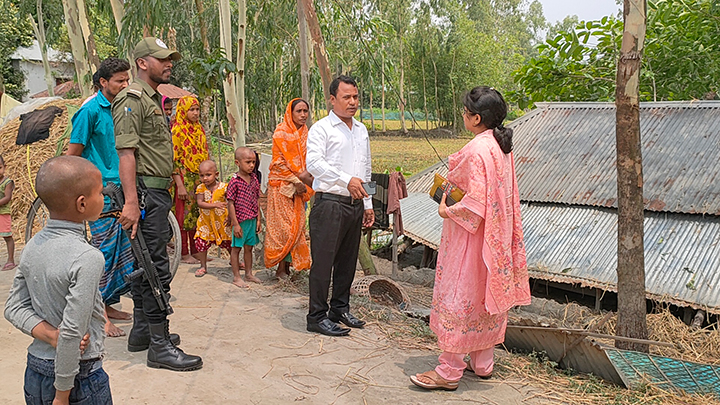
[681,59]
[15,31]
[209,72]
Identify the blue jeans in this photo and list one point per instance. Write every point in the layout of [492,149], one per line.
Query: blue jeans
[92,385]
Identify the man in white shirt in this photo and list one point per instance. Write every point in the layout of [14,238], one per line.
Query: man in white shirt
[338,156]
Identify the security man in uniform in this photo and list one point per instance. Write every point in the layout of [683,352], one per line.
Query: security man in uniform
[144,144]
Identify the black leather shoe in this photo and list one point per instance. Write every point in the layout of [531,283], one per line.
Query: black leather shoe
[327,327]
[348,319]
[139,337]
[163,354]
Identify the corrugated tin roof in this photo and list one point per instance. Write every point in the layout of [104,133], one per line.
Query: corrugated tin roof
[32,53]
[565,153]
[173,91]
[579,245]
[421,221]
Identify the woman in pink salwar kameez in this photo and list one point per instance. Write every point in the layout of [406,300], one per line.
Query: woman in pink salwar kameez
[481,267]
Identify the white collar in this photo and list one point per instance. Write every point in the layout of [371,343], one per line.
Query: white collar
[335,120]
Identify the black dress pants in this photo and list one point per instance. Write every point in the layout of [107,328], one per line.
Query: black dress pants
[334,240]
[156,232]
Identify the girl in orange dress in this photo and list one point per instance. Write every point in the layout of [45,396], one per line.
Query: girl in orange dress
[288,190]
[481,267]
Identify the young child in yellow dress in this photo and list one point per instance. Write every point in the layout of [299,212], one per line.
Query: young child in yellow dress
[212,227]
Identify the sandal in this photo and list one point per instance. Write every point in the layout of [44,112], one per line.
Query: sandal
[200,272]
[469,367]
[437,382]
[9,266]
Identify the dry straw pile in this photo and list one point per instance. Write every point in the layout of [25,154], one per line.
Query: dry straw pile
[22,163]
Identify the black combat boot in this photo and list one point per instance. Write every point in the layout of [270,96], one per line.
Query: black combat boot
[139,337]
[163,354]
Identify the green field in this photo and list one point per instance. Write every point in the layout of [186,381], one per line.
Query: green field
[412,154]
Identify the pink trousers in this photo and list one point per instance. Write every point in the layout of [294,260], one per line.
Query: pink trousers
[452,365]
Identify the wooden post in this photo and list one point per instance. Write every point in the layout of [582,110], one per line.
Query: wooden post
[395,248]
[598,299]
[426,257]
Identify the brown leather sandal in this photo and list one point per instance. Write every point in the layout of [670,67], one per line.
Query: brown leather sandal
[437,382]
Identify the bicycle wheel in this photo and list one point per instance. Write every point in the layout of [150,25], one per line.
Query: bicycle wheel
[174,245]
[37,218]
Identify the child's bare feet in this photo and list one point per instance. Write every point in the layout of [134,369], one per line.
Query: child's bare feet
[251,278]
[112,330]
[238,282]
[113,313]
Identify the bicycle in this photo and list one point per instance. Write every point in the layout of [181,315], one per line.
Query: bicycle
[38,216]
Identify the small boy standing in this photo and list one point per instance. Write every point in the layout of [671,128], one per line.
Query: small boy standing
[55,297]
[243,193]
[6,189]
[212,222]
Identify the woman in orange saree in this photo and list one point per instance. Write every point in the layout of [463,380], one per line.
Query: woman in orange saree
[288,190]
[481,267]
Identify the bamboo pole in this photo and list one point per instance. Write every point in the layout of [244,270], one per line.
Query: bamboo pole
[39,30]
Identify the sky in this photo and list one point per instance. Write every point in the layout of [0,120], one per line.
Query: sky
[556,10]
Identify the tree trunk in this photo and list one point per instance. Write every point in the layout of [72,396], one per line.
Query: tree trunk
[372,115]
[382,103]
[118,10]
[39,29]
[365,257]
[320,52]
[452,93]
[304,57]
[207,100]
[427,118]
[229,87]
[242,27]
[401,102]
[77,45]
[631,255]
[437,101]
[88,36]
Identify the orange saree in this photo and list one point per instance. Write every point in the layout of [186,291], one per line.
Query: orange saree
[285,234]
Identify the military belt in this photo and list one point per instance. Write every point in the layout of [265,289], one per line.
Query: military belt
[162,183]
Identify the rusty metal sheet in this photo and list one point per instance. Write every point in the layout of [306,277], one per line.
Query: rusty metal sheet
[588,356]
[565,153]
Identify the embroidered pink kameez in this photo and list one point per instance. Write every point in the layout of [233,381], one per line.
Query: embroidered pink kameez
[481,266]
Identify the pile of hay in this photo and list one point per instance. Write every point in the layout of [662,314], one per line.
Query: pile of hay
[22,163]
[698,345]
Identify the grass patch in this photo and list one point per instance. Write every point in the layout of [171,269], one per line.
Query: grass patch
[412,154]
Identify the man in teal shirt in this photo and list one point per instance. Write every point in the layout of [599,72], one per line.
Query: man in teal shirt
[93,137]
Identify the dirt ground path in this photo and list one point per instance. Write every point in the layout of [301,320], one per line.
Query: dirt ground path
[256,351]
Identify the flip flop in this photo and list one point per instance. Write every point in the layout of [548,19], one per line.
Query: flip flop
[9,266]
[469,367]
[438,383]
[200,272]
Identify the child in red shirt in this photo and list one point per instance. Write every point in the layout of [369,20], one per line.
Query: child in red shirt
[243,194]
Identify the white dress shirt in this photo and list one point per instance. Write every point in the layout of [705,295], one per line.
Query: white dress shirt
[336,153]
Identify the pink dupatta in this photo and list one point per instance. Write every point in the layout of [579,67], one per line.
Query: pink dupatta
[487,176]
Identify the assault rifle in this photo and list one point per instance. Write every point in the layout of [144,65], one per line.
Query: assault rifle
[146,268]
